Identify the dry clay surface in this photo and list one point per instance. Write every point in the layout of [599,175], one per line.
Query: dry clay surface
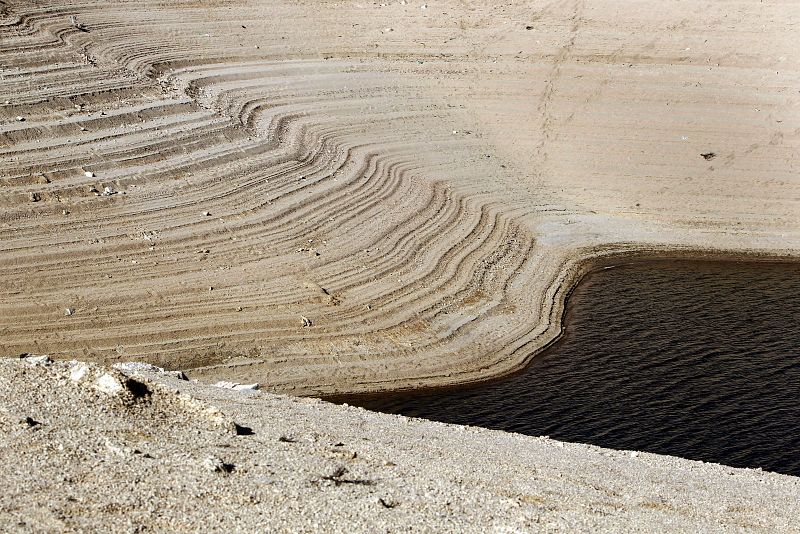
[349,196]
[86,448]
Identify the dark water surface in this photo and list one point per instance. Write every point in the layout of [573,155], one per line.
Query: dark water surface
[692,359]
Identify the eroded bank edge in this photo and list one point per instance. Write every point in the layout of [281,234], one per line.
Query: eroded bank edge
[515,358]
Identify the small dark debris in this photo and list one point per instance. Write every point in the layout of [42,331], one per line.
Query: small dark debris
[339,472]
[31,422]
[243,430]
[708,156]
[180,375]
[287,439]
[138,389]
[387,504]
[528,27]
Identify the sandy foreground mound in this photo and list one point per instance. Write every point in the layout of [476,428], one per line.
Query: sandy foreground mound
[344,196]
[89,448]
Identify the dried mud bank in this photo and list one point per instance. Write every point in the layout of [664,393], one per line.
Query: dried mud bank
[330,197]
[168,455]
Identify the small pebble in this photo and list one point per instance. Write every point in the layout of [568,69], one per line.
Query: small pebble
[216,465]
[32,359]
[79,372]
[236,386]
[108,384]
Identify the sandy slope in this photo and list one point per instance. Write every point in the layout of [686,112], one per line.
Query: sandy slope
[142,458]
[422,185]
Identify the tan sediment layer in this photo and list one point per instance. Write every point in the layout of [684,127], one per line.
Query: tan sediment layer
[424,186]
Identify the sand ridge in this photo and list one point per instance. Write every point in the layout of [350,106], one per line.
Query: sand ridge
[423,186]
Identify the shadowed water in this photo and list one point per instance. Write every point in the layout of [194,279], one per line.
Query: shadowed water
[699,360]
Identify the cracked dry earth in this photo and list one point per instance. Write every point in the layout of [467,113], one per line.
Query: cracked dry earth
[351,196]
[89,449]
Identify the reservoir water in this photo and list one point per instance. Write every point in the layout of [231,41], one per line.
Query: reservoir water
[693,359]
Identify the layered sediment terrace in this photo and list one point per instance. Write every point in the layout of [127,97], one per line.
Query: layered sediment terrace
[349,196]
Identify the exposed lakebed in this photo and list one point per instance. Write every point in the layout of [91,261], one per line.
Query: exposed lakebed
[692,359]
